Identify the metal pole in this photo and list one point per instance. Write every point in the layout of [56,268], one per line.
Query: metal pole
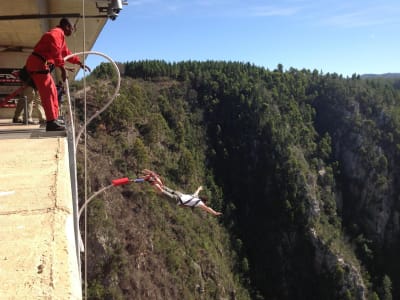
[26,110]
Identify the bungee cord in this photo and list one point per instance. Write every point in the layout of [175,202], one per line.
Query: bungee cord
[115,95]
[74,139]
[115,182]
[85,146]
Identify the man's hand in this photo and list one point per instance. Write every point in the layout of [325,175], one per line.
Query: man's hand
[85,67]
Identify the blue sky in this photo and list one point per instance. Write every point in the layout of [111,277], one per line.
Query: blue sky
[344,37]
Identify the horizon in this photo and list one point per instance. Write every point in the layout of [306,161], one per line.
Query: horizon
[356,37]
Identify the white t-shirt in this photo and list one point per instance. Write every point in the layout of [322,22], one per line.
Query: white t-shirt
[190,200]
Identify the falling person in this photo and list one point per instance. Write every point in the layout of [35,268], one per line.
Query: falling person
[187,200]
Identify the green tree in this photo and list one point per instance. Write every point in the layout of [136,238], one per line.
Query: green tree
[386,293]
[139,154]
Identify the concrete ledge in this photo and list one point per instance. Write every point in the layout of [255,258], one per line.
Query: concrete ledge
[38,252]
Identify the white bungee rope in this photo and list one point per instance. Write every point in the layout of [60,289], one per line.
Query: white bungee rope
[116,93]
[71,129]
[73,142]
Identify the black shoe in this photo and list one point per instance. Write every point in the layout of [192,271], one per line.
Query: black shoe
[16,120]
[54,126]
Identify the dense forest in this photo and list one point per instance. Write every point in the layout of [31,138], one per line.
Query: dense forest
[302,164]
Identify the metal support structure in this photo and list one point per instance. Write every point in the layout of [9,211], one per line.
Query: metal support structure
[26,110]
[40,16]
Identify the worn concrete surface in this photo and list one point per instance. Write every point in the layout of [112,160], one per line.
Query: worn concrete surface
[37,254]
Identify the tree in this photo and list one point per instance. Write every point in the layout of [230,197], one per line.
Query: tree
[386,289]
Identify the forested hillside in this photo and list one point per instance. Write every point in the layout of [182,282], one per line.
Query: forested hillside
[302,164]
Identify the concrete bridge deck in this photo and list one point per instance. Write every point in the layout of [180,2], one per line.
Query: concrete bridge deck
[38,251]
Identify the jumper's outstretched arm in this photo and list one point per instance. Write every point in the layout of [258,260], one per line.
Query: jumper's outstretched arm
[196,193]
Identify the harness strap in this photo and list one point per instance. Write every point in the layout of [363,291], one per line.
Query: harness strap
[187,201]
[40,56]
[44,60]
[40,72]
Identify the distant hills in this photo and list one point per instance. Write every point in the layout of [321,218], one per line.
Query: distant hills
[385,75]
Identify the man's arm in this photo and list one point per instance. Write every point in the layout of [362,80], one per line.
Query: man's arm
[74,59]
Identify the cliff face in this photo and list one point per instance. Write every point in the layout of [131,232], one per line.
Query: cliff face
[328,258]
[366,151]
[365,144]
[369,191]
[302,164]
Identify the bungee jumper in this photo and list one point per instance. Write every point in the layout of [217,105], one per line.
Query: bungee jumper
[188,200]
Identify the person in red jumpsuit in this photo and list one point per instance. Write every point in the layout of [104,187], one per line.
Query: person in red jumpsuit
[48,53]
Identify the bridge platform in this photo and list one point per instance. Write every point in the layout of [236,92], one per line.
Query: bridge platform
[38,253]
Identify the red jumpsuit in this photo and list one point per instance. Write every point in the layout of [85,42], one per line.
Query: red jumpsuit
[53,48]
